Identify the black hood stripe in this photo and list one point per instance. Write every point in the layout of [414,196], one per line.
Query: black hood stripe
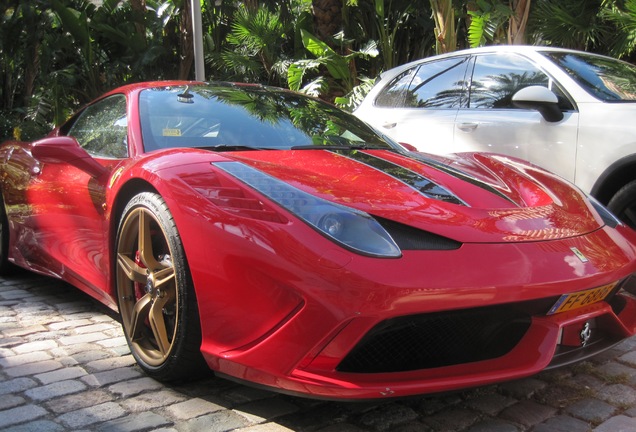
[457,174]
[418,182]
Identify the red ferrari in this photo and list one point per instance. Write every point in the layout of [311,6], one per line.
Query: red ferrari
[276,240]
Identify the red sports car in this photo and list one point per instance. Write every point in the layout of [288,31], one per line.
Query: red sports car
[276,240]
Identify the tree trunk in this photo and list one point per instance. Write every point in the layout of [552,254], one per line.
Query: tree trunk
[444,15]
[186,41]
[327,18]
[139,12]
[518,21]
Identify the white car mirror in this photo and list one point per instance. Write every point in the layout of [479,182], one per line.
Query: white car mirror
[541,99]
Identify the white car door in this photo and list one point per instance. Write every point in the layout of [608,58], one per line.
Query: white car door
[491,123]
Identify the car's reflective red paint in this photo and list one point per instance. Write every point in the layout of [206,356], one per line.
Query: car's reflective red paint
[280,304]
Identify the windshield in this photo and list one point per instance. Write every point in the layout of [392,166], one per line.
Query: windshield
[235,117]
[605,78]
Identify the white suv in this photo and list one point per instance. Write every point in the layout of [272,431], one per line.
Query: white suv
[571,112]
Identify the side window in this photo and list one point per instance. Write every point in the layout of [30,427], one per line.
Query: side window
[435,84]
[497,77]
[101,129]
[394,95]
[438,84]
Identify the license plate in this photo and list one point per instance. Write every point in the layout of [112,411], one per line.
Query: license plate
[578,299]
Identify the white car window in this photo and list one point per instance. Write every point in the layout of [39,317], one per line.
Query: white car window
[496,78]
[436,84]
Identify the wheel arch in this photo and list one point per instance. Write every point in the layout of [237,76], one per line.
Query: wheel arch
[613,178]
[124,194]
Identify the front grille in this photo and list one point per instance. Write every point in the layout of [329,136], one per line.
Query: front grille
[438,339]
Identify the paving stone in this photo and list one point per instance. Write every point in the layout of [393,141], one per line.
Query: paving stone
[192,408]
[23,331]
[528,413]
[619,423]
[60,375]
[110,377]
[617,372]
[119,341]
[84,338]
[388,416]
[266,409]
[21,414]
[65,404]
[55,389]
[22,359]
[93,328]
[10,401]
[452,419]
[152,400]
[591,410]
[491,404]
[33,368]
[522,389]
[493,426]
[629,358]
[134,387]
[562,424]
[70,324]
[111,363]
[16,385]
[273,427]
[38,426]
[216,422]
[135,422]
[86,356]
[9,342]
[35,346]
[618,394]
[95,414]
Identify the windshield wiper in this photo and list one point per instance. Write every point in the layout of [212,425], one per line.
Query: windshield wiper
[233,147]
[339,147]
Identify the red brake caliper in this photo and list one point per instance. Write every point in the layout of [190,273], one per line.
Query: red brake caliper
[140,288]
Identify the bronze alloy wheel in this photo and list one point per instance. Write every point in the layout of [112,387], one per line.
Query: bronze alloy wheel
[156,302]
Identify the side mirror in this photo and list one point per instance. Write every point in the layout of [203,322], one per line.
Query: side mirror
[541,99]
[65,149]
[409,147]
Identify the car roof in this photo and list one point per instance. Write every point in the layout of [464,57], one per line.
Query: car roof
[521,49]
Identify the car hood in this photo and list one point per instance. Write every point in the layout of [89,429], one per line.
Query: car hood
[469,197]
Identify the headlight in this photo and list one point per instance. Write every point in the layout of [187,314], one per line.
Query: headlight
[607,216]
[351,228]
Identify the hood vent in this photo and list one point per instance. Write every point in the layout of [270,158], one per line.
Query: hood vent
[409,238]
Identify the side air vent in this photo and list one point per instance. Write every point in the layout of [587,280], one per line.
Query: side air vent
[409,238]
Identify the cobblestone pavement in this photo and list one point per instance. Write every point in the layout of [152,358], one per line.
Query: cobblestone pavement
[64,365]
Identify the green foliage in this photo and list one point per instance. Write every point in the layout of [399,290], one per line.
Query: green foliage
[76,49]
[487,24]
[573,24]
[339,67]
[254,47]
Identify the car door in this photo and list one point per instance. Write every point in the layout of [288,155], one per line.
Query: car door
[490,122]
[419,105]
[68,217]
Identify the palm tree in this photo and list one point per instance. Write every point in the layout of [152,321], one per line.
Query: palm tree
[327,16]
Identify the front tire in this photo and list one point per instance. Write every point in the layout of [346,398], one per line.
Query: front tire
[623,204]
[154,289]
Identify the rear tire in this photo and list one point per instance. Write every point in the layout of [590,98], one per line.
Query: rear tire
[623,204]
[155,293]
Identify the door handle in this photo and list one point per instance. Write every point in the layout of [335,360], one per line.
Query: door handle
[467,127]
[389,125]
